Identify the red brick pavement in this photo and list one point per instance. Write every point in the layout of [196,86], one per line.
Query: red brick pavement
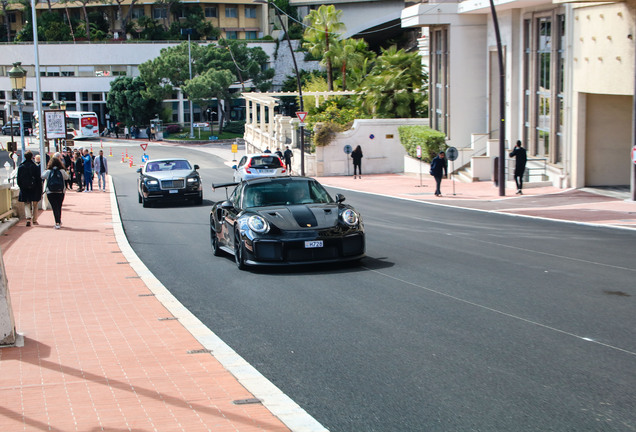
[96,354]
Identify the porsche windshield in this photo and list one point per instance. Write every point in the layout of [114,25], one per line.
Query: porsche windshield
[285,192]
[168,165]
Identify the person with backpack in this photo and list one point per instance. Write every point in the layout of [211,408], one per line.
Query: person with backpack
[55,177]
[30,186]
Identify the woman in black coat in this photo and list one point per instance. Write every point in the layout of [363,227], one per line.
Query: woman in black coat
[30,186]
[356,155]
[79,170]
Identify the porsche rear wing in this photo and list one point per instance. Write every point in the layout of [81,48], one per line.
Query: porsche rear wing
[224,185]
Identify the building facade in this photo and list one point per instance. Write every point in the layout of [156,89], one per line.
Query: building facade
[569,81]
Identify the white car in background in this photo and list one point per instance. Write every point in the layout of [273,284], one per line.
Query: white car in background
[259,165]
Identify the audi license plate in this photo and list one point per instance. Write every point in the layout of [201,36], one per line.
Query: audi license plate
[313,244]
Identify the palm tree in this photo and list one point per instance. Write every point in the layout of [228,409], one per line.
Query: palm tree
[351,55]
[323,31]
[392,90]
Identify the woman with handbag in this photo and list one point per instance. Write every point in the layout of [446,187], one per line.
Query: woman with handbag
[55,185]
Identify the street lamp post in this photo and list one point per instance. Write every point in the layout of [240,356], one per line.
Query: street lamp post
[189,32]
[502,104]
[300,89]
[18,82]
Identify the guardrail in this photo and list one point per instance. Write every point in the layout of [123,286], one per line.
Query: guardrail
[540,170]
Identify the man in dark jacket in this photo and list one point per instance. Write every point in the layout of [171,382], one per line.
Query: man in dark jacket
[519,153]
[439,169]
[30,185]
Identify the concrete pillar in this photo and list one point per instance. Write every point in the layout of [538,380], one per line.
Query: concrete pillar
[262,124]
[254,115]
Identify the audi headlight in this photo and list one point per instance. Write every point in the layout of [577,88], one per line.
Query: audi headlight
[258,224]
[350,217]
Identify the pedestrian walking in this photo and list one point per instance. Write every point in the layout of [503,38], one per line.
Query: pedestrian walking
[356,155]
[126,132]
[267,150]
[79,170]
[100,164]
[439,170]
[54,177]
[288,155]
[149,133]
[521,157]
[30,185]
[88,171]
[279,153]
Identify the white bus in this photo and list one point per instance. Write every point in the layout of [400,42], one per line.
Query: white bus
[81,125]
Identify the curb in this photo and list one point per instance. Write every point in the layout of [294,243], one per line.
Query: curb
[272,398]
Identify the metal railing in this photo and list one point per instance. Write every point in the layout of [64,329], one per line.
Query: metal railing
[6,210]
[534,167]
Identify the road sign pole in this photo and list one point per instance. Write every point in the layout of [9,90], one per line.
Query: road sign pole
[453,175]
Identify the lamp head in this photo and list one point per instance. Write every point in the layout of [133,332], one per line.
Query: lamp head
[17,75]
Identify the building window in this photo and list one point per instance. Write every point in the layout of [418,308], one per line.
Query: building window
[12,17]
[210,12]
[231,12]
[250,11]
[231,35]
[439,78]
[137,13]
[118,70]
[159,13]
[543,70]
[250,35]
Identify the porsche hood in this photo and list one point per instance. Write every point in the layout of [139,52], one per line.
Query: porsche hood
[296,217]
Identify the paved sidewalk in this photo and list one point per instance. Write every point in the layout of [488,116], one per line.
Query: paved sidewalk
[573,205]
[100,351]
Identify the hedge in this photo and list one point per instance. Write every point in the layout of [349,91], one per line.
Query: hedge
[432,141]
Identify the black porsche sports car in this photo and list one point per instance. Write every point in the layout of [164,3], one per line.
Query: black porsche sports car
[285,220]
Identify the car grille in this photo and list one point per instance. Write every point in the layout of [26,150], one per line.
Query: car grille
[173,184]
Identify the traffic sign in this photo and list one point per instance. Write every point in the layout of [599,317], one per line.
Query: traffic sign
[302,115]
[634,155]
[348,149]
[419,152]
[451,153]
[144,146]
[234,148]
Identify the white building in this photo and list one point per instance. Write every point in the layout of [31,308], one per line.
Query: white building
[569,81]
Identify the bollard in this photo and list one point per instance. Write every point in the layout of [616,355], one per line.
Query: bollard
[101,144]
[122,157]
[126,153]
[131,162]
[110,154]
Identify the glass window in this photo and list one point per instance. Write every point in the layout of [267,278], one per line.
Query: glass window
[67,71]
[250,11]
[12,17]
[439,81]
[28,95]
[159,12]
[231,12]
[66,96]
[118,70]
[210,12]
[137,13]
[231,35]
[250,35]
[53,71]
[85,71]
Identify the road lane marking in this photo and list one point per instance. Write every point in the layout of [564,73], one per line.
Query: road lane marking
[509,315]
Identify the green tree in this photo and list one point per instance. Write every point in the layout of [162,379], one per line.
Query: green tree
[393,87]
[212,84]
[87,21]
[195,20]
[51,27]
[352,56]
[127,104]
[151,29]
[7,25]
[322,34]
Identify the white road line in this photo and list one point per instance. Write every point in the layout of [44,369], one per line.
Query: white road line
[278,403]
[516,317]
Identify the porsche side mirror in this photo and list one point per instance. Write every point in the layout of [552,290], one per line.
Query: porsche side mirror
[196,167]
[233,167]
[227,205]
[340,198]
[139,170]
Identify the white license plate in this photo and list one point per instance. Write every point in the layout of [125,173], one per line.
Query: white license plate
[313,244]
[174,190]
[267,171]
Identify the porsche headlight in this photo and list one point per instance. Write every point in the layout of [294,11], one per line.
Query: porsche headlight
[258,224]
[349,217]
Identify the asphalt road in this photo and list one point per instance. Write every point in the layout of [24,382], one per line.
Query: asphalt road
[456,321]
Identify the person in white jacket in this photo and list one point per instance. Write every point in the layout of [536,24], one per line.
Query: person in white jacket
[100,166]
